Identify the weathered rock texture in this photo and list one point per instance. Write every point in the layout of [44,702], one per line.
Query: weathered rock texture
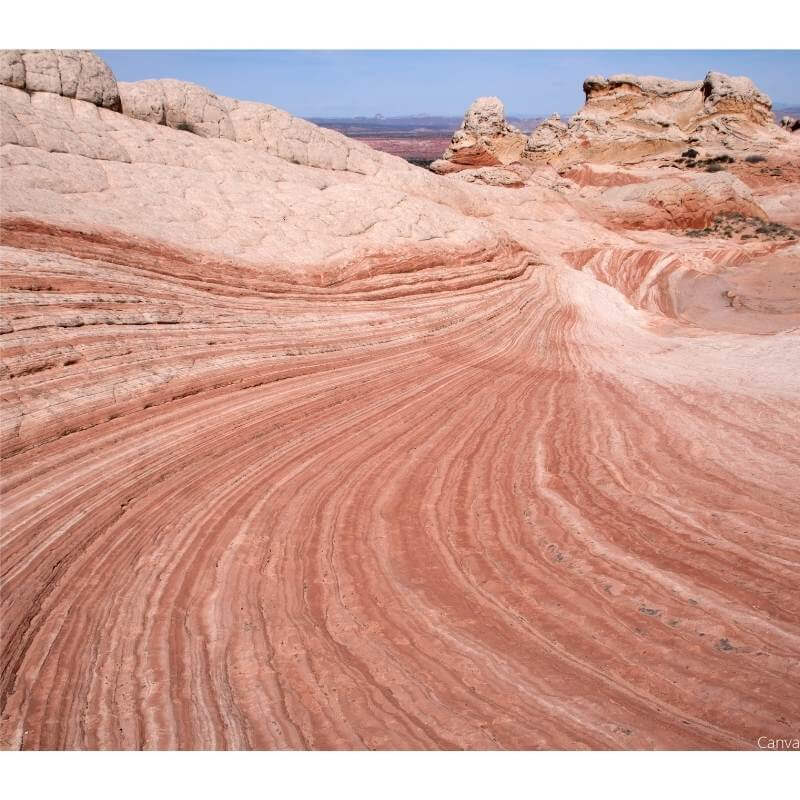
[195,109]
[484,139]
[739,96]
[675,201]
[304,447]
[177,104]
[627,117]
[79,74]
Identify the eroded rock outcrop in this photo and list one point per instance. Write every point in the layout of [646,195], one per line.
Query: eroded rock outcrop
[737,96]
[484,139]
[628,117]
[78,74]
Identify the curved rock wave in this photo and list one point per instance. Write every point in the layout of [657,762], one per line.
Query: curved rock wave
[298,457]
[445,520]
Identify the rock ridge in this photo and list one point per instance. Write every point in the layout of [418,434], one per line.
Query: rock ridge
[629,117]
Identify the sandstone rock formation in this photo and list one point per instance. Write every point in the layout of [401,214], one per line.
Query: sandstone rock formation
[177,104]
[306,447]
[195,109]
[484,139]
[737,96]
[675,201]
[79,74]
[627,117]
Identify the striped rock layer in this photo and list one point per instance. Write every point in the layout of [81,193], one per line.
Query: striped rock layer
[304,447]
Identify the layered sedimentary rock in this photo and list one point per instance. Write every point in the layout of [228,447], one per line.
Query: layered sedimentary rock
[674,201]
[737,96]
[628,117]
[484,139]
[305,447]
[310,223]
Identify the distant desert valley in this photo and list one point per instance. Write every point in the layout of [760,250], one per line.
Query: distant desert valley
[420,139]
[306,446]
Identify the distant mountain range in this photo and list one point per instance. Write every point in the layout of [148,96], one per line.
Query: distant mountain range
[433,124]
[788,110]
[413,123]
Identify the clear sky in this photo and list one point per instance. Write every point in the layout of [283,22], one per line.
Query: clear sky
[324,83]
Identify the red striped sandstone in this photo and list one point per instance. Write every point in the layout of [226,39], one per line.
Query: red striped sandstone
[303,457]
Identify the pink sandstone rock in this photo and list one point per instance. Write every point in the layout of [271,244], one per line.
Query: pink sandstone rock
[676,201]
[308,448]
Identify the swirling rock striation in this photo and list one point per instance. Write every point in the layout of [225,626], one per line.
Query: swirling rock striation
[305,447]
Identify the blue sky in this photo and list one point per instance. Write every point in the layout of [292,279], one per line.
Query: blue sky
[319,83]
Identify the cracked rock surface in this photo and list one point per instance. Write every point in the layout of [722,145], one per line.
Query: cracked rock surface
[79,74]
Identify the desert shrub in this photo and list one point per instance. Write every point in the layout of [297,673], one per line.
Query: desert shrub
[420,162]
[690,153]
[755,159]
[715,167]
